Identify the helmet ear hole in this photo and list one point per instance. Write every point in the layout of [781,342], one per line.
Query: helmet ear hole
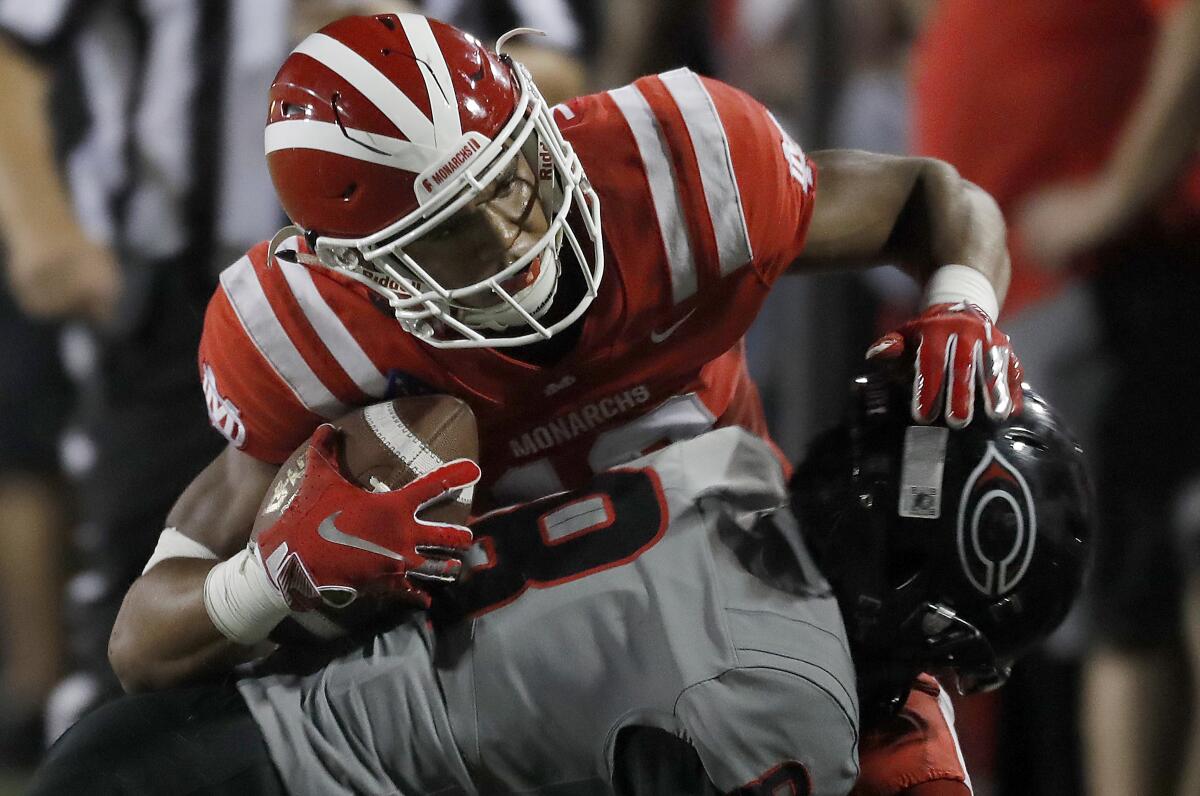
[387,20]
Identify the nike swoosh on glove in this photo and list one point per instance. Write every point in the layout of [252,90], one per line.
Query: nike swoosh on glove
[956,347]
[336,540]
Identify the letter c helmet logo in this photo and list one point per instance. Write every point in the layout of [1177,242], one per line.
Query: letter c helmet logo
[997,525]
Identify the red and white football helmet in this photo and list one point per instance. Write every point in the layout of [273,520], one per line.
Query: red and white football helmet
[381,128]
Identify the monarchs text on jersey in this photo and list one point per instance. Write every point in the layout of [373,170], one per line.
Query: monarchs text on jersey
[705,202]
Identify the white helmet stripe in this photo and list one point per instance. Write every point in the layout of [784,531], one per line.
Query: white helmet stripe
[443,99]
[328,137]
[372,84]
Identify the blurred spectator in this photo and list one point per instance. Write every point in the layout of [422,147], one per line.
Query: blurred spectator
[154,111]
[643,37]
[1081,119]
[34,504]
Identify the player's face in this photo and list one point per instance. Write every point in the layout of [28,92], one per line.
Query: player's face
[487,235]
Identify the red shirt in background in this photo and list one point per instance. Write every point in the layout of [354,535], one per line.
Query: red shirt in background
[1019,94]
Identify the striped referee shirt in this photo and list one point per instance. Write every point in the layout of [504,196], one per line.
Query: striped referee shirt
[158,107]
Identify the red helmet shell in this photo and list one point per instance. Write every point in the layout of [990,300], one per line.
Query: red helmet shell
[342,195]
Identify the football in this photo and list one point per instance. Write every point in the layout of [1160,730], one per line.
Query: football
[383,446]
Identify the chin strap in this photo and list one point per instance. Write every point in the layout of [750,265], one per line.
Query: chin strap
[535,298]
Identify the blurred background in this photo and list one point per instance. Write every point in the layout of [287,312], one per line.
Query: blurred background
[131,172]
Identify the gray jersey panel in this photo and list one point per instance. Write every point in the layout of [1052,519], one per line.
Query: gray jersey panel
[690,636]
[753,723]
[371,721]
[550,680]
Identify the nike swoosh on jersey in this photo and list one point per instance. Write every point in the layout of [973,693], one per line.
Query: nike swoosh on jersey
[328,531]
[658,337]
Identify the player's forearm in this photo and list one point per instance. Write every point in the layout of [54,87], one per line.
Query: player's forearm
[1164,128]
[163,635]
[949,220]
[876,209]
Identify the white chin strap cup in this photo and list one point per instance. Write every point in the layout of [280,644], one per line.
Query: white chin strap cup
[535,298]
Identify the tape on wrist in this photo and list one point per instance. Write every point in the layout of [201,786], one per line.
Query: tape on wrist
[951,284]
[241,601]
[173,544]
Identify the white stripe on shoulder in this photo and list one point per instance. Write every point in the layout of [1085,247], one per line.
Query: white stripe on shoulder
[711,146]
[333,333]
[250,303]
[372,84]
[947,709]
[443,99]
[327,137]
[668,210]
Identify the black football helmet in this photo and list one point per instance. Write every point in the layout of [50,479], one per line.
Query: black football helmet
[949,550]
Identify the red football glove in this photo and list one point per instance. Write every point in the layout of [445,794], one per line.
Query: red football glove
[336,540]
[954,342]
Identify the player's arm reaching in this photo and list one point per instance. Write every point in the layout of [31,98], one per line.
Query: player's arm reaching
[208,601]
[914,212]
[919,213]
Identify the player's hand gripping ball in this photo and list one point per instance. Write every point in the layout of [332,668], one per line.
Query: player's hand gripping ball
[955,347]
[370,512]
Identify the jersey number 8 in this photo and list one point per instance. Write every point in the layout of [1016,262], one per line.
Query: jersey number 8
[558,539]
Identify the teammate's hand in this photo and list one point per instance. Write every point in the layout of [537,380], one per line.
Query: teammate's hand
[336,540]
[955,344]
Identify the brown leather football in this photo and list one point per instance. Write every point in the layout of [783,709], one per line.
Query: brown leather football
[386,445]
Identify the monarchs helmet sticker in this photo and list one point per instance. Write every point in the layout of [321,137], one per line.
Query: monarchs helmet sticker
[996,561]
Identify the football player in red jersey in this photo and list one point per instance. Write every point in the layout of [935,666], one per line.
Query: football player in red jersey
[582,276]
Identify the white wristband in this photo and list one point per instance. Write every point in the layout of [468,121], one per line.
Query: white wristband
[173,544]
[241,601]
[951,284]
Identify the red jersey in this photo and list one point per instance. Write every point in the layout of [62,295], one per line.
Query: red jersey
[915,752]
[704,203]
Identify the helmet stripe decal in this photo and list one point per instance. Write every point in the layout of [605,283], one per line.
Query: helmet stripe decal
[443,99]
[711,146]
[372,84]
[327,137]
[667,208]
